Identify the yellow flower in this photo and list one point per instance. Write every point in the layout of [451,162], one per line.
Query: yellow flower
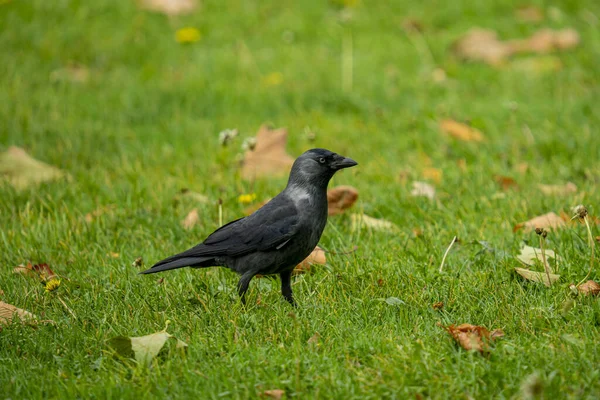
[52,285]
[187,35]
[247,198]
[273,79]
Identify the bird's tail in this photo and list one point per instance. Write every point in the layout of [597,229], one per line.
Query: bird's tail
[180,262]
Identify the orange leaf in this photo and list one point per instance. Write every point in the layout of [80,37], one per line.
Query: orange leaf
[41,270]
[547,221]
[473,337]
[316,257]
[340,198]
[461,131]
[506,182]
[590,288]
[276,394]
[191,219]
[269,157]
[434,174]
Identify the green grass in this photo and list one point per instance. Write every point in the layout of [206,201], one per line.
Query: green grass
[145,125]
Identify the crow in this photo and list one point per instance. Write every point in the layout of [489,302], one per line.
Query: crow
[277,236]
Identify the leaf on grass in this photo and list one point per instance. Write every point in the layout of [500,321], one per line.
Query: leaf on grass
[532,256]
[537,276]
[473,337]
[589,288]
[191,219]
[40,270]
[423,189]
[434,174]
[314,339]
[558,190]
[529,13]
[484,45]
[394,301]
[269,157]
[549,220]
[341,198]
[89,217]
[20,170]
[169,7]
[506,182]
[316,257]
[360,221]
[144,348]
[276,394]
[461,131]
[187,194]
[8,313]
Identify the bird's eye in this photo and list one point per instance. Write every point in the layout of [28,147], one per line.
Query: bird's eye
[322,160]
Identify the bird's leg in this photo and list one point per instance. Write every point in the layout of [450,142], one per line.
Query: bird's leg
[286,286]
[243,285]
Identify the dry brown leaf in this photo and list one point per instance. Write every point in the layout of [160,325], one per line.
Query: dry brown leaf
[537,276]
[316,257]
[506,182]
[364,221]
[40,270]
[549,220]
[8,312]
[276,394]
[438,305]
[484,45]
[529,13]
[314,339]
[434,174]
[341,198]
[473,337]
[191,219]
[169,7]
[423,189]
[20,170]
[269,157]
[558,190]
[461,131]
[589,288]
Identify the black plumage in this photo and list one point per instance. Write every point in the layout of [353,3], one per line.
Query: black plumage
[276,237]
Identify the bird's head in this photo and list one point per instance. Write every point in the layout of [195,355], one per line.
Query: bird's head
[317,166]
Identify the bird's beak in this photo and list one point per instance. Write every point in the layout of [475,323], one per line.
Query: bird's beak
[344,162]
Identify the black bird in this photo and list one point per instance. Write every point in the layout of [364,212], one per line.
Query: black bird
[276,237]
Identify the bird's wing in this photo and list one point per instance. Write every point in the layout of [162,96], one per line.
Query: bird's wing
[270,228]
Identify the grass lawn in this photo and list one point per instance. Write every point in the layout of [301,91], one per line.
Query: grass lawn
[102,90]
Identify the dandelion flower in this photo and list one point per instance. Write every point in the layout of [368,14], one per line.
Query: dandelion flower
[247,198]
[187,35]
[52,285]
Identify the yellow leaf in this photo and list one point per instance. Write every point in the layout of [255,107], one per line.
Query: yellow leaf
[461,131]
[537,276]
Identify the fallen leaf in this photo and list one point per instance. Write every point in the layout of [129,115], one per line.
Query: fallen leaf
[473,337]
[191,219]
[589,288]
[537,276]
[537,64]
[269,157]
[8,312]
[423,189]
[314,339]
[434,174]
[506,182]
[22,171]
[317,256]
[169,7]
[532,256]
[438,305]
[529,13]
[138,262]
[144,348]
[461,131]
[341,198]
[547,221]
[42,271]
[276,394]
[113,255]
[364,221]
[71,73]
[394,301]
[484,45]
[89,217]
[558,190]
[187,194]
